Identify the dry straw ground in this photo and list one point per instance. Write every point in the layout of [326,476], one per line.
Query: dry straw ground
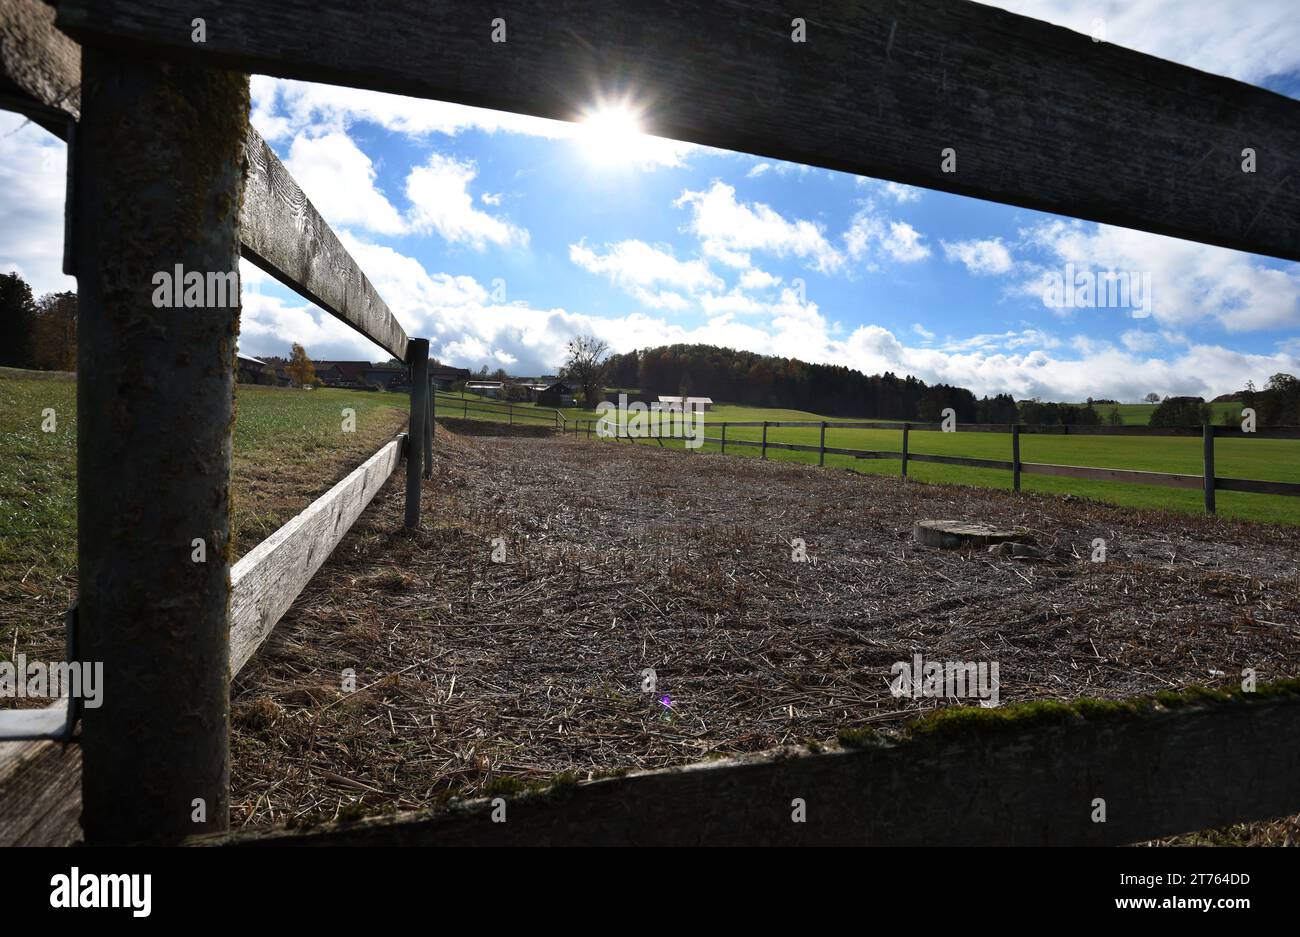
[473,674]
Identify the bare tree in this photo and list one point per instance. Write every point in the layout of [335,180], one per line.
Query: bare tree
[586,366]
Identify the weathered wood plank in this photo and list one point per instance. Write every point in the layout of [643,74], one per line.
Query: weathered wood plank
[267,580]
[280,230]
[40,793]
[40,68]
[1036,115]
[40,782]
[1160,772]
[283,234]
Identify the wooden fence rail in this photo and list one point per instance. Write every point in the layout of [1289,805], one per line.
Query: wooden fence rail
[40,781]
[1207,481]
[1010,91]
[1158,771]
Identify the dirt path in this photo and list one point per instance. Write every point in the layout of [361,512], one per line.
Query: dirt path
[620,558]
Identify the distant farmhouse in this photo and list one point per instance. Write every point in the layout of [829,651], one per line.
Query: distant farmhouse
[444,377]
[703,404]
[557,394]
[360,374]
[486,388]
[269,372]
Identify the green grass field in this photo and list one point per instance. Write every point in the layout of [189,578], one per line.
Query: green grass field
[289,447]
[1139,414]
[1262,459]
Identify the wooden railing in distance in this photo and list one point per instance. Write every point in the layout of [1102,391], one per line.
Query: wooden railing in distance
[1019,776]
[40,782]
[454,406]
[1207,480]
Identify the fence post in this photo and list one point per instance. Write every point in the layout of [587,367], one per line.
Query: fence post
[428,430]
[1015,456]
[763,454]
[1207,435]
[417,358]
[906,428]
[510,413]
[464,406]
[821,448]
[159,182]
[724,437]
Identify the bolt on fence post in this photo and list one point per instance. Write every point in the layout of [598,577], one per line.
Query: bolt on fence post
[1207,437]
[159,183]
[763,454]
[1015,456]
[417,358]
[821,449]
[906,428]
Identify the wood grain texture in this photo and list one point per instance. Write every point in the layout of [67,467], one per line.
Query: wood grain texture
[267,580]
[1160,773]
[40,68]
[40,782]
[284,234]
[40,793]
[280,230]
[1038,116]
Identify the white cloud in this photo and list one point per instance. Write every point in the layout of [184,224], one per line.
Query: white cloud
[440,200]
[1140,340]
[981,257]
[729,230]
[922,331]
[640,268]
[870,235]
[897,192]
[32,185]
[755,279]
[340,181]
[1190,283]
[469,329]
[903,243]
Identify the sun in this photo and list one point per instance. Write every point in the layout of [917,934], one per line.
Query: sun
[610,134]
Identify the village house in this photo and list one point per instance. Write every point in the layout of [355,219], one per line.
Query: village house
[703,404]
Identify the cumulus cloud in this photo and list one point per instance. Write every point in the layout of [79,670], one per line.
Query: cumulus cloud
[1190,283]
[980,257]
[730,230]
[440,201]
[340,181]
[871,236]
[32,182]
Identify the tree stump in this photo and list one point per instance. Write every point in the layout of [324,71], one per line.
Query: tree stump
[954,535]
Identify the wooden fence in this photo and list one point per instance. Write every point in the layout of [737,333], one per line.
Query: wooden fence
[159,147]
[166,744]
[1207,481]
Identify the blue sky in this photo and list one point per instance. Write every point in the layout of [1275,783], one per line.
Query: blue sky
[500,237]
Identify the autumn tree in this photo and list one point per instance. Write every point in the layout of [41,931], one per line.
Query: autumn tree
[300,368]
[54,345]
[586,365]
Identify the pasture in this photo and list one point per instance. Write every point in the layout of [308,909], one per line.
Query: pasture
[289,447]
[1262,459]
